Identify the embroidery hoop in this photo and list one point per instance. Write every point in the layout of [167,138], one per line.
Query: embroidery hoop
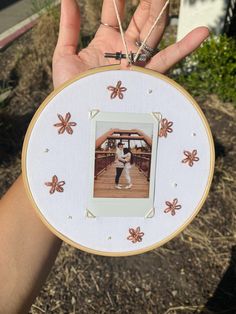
[124,248]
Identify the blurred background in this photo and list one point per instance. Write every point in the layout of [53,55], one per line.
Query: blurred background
[196,271]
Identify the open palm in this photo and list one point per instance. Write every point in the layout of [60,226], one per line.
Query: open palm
[67,62]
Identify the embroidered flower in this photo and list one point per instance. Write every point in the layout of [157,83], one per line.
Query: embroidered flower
[55,185]
[117,90]
[172,207]
[165,128]
[65,125]
[190,157]
[135,235]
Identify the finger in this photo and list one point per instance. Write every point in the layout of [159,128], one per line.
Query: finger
[166,58]
[139,19]
[108,12]
[69,27]
[156,35]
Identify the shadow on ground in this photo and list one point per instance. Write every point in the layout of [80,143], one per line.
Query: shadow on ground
[13,129]
[224,297]
[6,3]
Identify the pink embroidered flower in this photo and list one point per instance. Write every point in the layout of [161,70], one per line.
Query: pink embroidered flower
[172,207]
[190,157]
[135,235]
[55,185]
[65,125]
[165,128]
[117,90]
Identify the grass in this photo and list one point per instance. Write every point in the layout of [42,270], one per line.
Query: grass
[42,6]
[5,90]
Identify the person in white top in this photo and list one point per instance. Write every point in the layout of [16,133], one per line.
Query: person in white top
[128,162]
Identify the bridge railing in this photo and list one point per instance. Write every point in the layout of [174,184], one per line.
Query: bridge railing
[143,162]
[102,161]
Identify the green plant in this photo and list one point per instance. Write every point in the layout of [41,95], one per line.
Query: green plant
[46,6]
[211,69]
[38,5]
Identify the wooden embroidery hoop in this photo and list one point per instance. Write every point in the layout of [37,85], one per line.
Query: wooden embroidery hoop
[133,249]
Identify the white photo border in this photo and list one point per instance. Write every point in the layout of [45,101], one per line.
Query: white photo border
[123,207]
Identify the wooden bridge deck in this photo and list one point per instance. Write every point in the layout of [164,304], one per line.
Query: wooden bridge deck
[104,186]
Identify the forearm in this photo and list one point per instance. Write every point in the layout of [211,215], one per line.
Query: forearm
[122,159]
[28,250]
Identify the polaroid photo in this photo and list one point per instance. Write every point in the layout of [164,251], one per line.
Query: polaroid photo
[123,154]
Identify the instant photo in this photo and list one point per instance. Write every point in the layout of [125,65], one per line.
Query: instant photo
[123,159]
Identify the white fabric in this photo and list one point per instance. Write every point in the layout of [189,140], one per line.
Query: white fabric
[68,159]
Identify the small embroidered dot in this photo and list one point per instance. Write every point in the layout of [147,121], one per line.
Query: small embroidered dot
[194,134]
[69,217]
[175,185]
[109,238]
[150,91]
[46,150]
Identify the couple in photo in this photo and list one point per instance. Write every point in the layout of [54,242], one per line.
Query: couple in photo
[123,162]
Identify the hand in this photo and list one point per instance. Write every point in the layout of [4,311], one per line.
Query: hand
[67,62]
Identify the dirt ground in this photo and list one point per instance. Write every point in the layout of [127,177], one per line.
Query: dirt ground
[193,273]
